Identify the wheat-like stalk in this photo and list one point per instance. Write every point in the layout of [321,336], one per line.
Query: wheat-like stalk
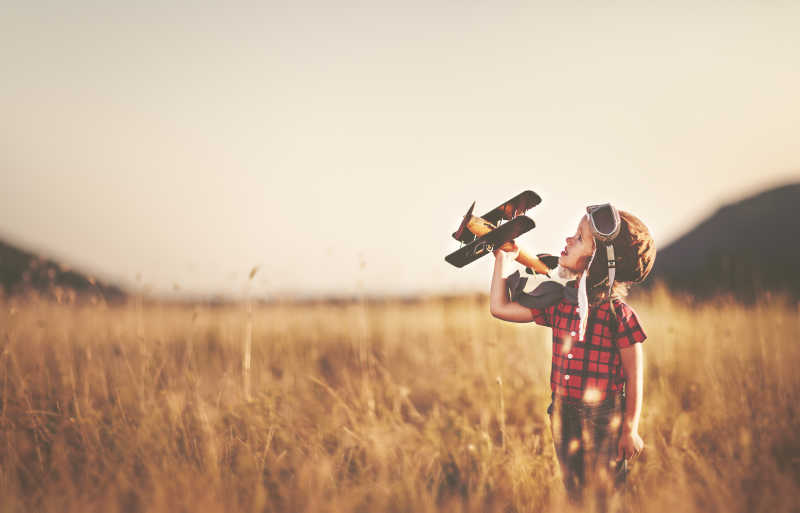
[99,415]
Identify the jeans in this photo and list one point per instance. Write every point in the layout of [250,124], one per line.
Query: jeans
[586,439]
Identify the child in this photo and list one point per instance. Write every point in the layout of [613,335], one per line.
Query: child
[597,365]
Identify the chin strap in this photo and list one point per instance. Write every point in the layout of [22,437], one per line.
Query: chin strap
[583,300]
[583,296]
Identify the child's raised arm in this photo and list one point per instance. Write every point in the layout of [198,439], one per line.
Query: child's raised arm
[499,305]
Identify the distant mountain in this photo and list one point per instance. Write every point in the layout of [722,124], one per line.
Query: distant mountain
[744,248]
[21,271]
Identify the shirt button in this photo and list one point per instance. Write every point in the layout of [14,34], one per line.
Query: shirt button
[569,356]
[566,378]
[572,333]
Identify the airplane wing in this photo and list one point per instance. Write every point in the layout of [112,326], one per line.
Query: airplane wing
[487,243]
[513,207]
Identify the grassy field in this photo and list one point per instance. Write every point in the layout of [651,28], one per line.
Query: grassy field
[391,406]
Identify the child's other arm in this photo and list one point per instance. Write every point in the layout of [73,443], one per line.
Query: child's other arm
[631,443]
[499,305]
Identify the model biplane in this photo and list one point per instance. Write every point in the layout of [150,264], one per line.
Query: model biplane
[482,235]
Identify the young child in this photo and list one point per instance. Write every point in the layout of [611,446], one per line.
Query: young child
[597,364]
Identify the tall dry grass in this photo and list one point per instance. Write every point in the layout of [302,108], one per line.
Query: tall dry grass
[376,407]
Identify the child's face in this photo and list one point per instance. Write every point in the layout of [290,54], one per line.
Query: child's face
[579,248]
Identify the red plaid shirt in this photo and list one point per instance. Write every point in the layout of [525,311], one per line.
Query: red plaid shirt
[590,370]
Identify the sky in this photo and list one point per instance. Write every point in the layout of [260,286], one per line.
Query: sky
[173,146]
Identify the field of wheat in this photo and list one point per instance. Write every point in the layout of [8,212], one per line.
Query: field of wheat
[419,406]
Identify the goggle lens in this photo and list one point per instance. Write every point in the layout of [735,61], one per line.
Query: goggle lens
[604,220]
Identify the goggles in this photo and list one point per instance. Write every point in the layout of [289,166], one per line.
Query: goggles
[604,221]
[605,224]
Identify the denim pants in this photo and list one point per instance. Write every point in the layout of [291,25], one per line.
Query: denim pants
[586,439]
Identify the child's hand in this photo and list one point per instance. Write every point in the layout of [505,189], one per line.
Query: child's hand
[513,253]
[630,445]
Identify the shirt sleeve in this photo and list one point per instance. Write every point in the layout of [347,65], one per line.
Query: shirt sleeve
[543,316]
[629,331]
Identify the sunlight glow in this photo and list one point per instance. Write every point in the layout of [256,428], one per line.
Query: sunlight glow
[592,395]
[574,445]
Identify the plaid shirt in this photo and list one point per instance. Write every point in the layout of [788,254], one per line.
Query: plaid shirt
[590,370]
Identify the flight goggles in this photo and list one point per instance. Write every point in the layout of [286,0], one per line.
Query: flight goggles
[604,221]
[605,224]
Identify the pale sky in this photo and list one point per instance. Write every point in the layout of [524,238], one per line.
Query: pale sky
[337,146]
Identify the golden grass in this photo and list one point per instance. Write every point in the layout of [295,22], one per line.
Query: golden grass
[376,407]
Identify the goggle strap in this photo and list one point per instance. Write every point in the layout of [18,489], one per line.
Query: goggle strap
[612,267]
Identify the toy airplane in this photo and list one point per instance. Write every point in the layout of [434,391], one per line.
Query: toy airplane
[483,234]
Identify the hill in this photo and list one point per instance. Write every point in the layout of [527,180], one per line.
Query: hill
[744,248]
[22,271]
